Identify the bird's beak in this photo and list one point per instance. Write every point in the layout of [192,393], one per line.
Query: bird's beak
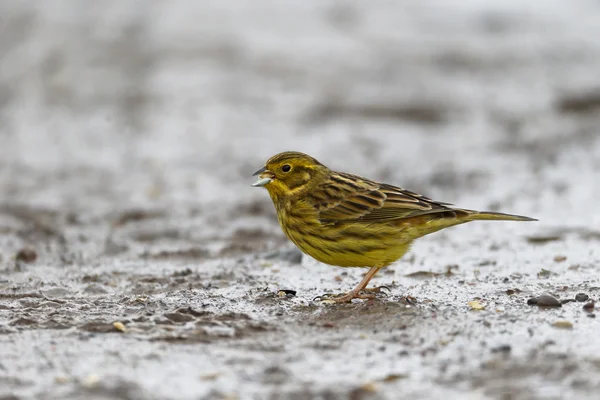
[264,177]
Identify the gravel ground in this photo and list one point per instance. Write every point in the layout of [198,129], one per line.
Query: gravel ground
[138,263]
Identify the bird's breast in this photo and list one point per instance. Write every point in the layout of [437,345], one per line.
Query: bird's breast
[347,244]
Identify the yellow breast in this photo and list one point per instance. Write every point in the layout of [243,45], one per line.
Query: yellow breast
[345,245]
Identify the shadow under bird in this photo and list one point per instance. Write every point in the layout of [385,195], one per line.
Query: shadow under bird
[350,221]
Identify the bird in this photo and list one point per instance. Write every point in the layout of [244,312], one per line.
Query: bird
[347,220]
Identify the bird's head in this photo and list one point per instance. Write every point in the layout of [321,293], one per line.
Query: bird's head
[290,173]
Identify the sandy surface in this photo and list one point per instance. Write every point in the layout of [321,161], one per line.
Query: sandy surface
[128,136]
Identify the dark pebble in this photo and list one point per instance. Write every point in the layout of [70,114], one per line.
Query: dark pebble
[547,300]
[565,301]
[505,348]
[589,306]
[532,301]
[288,292]
[26,255]
[581,297]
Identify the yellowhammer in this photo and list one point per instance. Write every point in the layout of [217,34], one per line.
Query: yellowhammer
[349,221]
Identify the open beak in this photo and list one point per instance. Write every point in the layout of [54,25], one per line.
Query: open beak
[264,177]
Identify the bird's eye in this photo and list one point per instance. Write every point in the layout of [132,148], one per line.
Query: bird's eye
[286,168]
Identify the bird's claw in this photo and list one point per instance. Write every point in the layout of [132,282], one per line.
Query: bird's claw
[382,290]
[345,298]
[410,300]
[365,294]
[327,296]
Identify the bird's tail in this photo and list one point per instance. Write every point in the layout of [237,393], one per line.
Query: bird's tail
[435,221]
[495,216]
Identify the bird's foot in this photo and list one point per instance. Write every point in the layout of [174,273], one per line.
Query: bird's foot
[344,298]
[365,294]
[383,290]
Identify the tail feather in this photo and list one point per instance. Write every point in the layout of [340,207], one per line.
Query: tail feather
[433,222]
[496,216]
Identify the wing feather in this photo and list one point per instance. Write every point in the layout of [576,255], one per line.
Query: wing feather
[349,198]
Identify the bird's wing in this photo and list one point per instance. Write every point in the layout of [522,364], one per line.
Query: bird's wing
[350,198]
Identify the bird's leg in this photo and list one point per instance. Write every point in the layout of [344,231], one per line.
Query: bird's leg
[356,292]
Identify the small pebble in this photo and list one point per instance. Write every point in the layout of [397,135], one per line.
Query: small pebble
[119,326]
[91,381]
[26,255]
[476,305]
[505,348]
[581,297]
[394,377]
[210,376]
[589,306]
[547,300]
[563,324]
[560,258]
[286,293]
[532,301]
[363,391]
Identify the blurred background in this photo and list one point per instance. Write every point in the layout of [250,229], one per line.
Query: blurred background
[162,103]
[129,131]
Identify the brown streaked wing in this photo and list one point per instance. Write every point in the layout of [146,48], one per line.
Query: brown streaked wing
[385,186]
[350,198]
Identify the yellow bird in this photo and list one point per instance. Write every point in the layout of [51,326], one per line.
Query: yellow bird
[350,221]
